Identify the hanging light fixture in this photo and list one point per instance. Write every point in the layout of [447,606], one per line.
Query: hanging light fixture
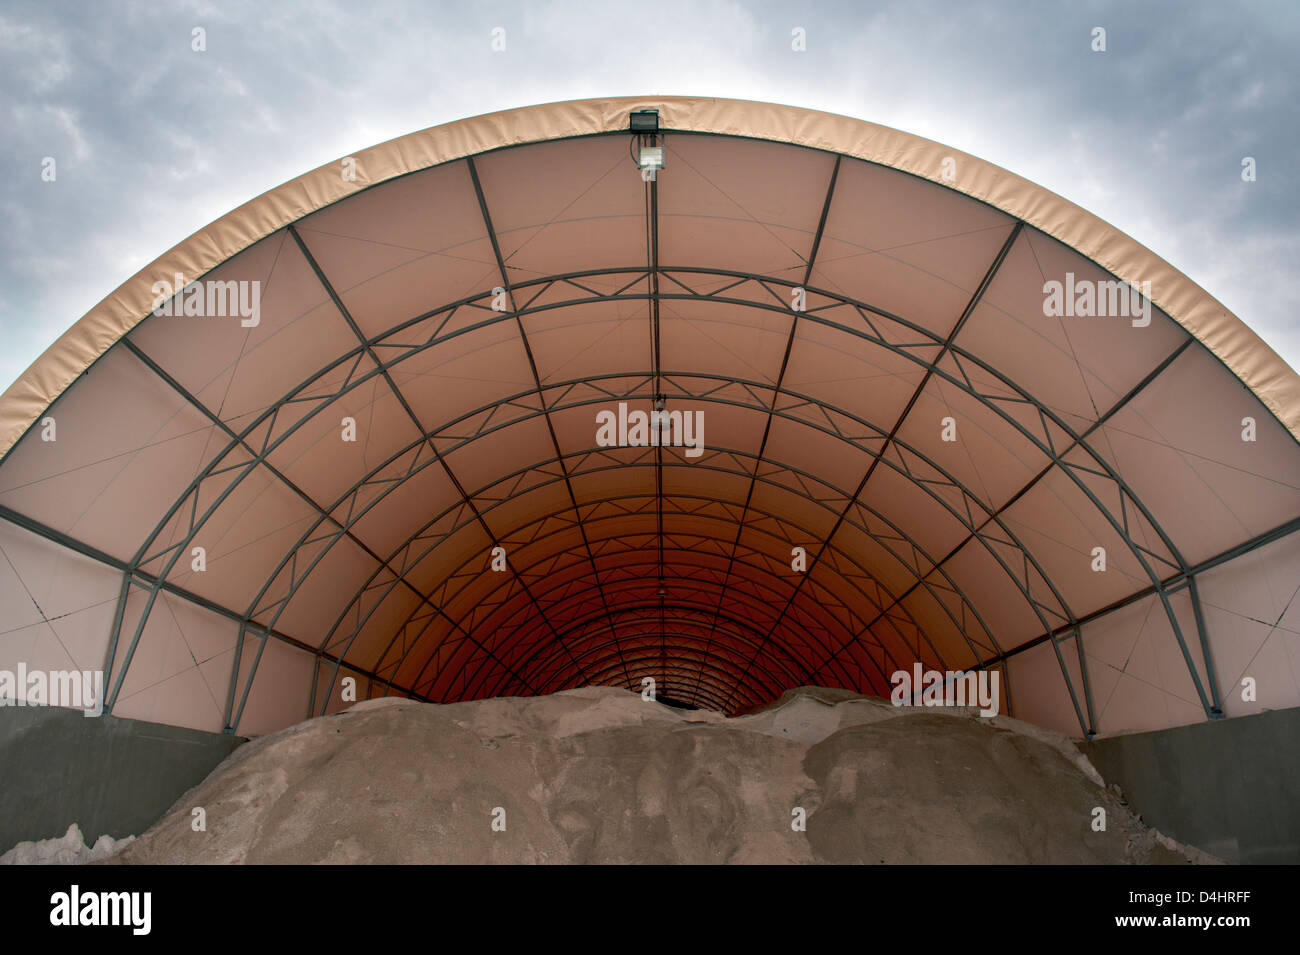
[663,422]
[648,144]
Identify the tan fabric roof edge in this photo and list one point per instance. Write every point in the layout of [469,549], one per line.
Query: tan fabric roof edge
[1258,366]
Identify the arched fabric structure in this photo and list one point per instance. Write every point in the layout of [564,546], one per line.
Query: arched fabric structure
[837,301]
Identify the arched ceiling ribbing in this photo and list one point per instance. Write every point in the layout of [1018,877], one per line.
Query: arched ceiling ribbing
[947,455]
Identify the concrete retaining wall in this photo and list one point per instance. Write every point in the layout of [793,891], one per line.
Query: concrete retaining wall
[1229,787]
[109,775]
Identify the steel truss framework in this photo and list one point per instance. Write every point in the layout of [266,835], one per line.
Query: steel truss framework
[735,606]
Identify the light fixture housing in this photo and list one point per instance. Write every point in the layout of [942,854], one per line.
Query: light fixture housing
[650,157]
[644,121]
[649,145]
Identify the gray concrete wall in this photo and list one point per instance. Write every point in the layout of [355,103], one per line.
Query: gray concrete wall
[1230,787]
[108,775]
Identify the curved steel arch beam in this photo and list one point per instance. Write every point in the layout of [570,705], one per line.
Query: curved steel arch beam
[967,386]
[698,615]
[647,612]
[916,546]
[382,562]
[648,656]
[681,558]
[519,634]
[959,626]
[967,520]
[681,586]
[733,666]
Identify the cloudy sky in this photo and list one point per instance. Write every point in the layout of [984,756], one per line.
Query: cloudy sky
[154,140]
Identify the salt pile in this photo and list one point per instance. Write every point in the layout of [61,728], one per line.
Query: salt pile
[598,775]
[69,849]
